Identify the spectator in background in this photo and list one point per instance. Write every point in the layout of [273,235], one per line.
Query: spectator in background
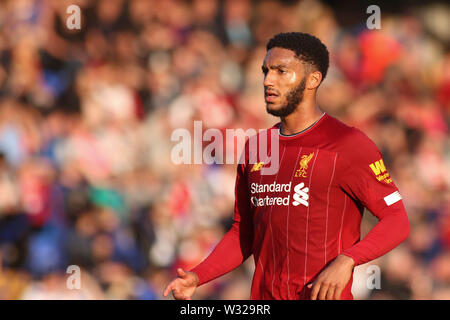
[86,118]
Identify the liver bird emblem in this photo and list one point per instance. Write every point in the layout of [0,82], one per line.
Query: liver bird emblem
[302,171]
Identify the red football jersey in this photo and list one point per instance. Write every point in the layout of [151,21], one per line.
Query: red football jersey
[297,220]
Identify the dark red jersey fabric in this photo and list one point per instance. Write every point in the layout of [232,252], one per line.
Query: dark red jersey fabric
[296,221]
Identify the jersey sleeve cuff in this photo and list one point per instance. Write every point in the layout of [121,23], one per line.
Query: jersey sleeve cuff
[355,259]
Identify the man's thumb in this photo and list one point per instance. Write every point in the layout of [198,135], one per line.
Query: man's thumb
[181,272]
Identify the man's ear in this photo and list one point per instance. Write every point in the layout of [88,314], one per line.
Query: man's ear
[313,79]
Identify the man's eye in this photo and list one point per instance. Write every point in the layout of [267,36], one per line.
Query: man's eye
[281,71]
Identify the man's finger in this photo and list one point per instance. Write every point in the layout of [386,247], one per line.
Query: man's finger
[168,289]
[337,294]
[315,290]
[323,291]
[330,293]
[181,272]
[177,294]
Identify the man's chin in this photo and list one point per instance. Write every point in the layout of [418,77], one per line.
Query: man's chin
[279,111]
[271,108]
[274,110]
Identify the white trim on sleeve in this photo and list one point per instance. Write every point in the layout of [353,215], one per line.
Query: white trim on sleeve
[392,198]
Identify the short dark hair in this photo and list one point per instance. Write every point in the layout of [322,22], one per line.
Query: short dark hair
[307,48]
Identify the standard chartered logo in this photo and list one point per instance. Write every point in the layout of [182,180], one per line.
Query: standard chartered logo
[300,194]
[257,188]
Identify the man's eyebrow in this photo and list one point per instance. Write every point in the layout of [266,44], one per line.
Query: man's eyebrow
[276,66]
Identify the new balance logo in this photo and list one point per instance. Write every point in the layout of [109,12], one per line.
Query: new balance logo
[257,166]
[301,195]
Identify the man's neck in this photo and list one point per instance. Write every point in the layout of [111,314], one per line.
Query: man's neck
[301,119]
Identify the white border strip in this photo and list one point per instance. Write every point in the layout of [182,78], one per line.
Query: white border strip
[392,198]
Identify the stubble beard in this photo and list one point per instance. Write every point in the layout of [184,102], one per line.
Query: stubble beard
[293,99]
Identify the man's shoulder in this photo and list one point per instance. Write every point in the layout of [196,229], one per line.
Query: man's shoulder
[353,145]
[348,137]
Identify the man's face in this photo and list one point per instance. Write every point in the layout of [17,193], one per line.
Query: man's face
[284,81]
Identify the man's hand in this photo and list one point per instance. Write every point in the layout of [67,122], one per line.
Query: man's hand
[184,286]
[332,280]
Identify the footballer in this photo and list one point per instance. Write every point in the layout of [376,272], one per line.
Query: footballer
[302,224]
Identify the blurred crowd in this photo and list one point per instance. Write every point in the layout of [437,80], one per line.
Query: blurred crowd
[86,118]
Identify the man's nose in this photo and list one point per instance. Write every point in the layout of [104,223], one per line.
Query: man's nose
[269,79]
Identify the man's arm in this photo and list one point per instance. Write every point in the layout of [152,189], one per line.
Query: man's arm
[391,230]
[234,248]
[365,178]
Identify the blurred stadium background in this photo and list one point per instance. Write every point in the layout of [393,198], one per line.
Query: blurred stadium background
[86,118]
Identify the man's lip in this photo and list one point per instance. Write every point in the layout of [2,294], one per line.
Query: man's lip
[270,98]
